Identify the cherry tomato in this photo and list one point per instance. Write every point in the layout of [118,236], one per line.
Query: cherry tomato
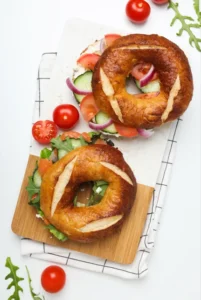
[88,107]
[65,116]
[126,131]
[138,11]
[110,38]
[53,279]
[160,1]
[88,60]
[44,131]
[140,70]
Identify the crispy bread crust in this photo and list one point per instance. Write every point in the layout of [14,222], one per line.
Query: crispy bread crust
[143,111]
[118,199]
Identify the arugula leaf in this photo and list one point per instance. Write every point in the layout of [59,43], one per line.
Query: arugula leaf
[196,4]
[64,145]
[45,153]
[31,188]
[185,26]
[33,294]
[15,280]
[58,234]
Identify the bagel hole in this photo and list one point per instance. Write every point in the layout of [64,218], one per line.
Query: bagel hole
[90,193]
[131,87]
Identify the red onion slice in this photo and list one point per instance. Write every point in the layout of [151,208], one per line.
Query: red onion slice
[102,45]
[100,126]
[147,77]
[74,89]
[145,133]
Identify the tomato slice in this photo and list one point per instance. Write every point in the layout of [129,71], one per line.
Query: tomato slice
[110,38]
[88,60]
[75,135]
[100,142]
[44,131]
[140,70]
[126,131]
[44,165]
[88,107]
[86,136]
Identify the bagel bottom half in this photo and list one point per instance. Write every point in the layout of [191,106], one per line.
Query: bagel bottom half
[84,164]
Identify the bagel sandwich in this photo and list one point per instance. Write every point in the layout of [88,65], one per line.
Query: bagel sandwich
[81,187]
[157,67]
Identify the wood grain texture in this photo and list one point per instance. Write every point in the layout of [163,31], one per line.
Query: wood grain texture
[120,247]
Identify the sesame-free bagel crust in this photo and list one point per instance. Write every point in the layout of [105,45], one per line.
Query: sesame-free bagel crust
[144,110]
[91,163]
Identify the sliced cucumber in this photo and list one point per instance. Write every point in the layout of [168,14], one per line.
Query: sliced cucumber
[76,143]
[102,118]
[83,82]
[37,179]
[61,153]
[153,86]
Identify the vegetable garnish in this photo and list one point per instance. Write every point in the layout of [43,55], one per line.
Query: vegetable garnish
[65,116]
[15,280]
[33,294]
[196,4]
[60,146]
[59,235]
[186,26]
[145,133]
[44,131]
[34,200]
[137,11]
[53,279]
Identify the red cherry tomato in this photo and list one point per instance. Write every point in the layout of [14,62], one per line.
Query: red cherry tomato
[138,11]
[53,279]
[88,60]
[44,131]
[65,116]
[126,131]
[88,107]
[159,2]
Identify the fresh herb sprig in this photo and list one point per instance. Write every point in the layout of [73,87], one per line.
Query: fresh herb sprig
[15,279]
[186,26]
[196,4]
[33,294]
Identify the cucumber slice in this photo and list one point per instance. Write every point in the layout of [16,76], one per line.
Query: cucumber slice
[102,118]
[61,153]
[153,86]
[76,143]
[83,82]
[37,179]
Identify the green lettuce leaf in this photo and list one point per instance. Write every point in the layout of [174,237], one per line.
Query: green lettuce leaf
[45,153]
[31,188]
[14,280]
[64,145]
[58,234]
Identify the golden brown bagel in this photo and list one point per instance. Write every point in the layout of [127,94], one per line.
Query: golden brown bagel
[88,163]
[142,111]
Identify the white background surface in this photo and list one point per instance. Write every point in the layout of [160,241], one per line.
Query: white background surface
[28,28]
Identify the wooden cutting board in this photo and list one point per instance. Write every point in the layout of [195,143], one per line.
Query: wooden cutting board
[120,247]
